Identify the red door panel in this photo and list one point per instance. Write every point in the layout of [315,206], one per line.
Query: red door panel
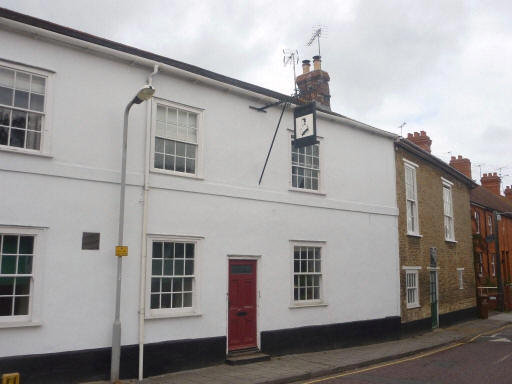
[242,304]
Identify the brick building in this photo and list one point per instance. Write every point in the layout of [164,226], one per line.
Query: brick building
[491,253]
[436,258]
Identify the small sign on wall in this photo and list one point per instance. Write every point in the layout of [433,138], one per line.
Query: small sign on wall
[90,241]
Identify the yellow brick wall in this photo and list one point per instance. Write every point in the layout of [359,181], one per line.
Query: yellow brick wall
[415,251]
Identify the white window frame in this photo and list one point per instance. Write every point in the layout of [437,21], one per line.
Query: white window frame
[448,211]
[173,312]
[481,260]
[412,271]
[490,227]
[493,265]
[409,165]
[199,150]
[460,277]
[320,190]
[477,220]
[33,318]
[46,125]
[315,302]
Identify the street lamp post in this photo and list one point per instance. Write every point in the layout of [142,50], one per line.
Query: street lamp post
[145,93]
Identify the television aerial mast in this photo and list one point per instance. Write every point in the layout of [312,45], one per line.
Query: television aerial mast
[318,32]
[291,56]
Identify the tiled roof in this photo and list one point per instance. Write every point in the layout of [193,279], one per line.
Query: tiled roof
[487,199]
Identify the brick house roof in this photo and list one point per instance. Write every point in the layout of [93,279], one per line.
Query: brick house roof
[486,199]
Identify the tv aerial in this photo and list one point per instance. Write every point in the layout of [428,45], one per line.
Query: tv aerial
[318,32]
[291,57]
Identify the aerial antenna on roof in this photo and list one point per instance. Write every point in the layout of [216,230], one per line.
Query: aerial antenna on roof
[291,56]
[318,31]
[401,126]
[479,166]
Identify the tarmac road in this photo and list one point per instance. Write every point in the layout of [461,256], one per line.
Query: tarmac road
[487,359]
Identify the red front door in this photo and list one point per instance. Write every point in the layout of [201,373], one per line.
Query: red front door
[242,304]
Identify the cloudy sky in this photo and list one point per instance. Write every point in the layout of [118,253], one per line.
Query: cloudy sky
[440,66]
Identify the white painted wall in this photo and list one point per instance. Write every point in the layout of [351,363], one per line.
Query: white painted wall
[76,190]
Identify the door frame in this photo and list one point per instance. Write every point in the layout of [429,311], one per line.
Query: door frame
[256,258]
[436,270]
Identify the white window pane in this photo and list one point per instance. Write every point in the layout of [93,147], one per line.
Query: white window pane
[172,116]
[160,113]
[6,77]
[192,120]
[171,131]
[38,84]
[182,118]
[22,81]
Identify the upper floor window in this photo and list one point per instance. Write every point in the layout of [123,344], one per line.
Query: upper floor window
[477,221]
[306,167]
[449,231]
[489,225]
[22,108]
[411,197]
[176,143]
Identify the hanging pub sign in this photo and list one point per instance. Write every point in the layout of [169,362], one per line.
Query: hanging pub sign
[305,125]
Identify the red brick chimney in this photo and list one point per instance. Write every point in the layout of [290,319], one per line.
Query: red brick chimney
[421,140]
[462,165]
[314,85]
[508,193]
[491,182]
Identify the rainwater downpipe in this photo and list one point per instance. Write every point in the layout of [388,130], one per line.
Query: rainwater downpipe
[143,253]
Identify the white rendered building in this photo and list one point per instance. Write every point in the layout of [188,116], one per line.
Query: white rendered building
[308,259]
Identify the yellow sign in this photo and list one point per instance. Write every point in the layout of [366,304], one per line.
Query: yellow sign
[11,378]
[121,250]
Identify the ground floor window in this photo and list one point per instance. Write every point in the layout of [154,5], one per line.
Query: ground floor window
[412,288]
[460,276]
[307,273]
[493,265]
[172,274]
[16,276]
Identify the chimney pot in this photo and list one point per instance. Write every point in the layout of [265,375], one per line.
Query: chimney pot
[306,65]
[317,63]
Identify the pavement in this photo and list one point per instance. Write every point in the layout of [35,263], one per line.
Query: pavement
[304,366]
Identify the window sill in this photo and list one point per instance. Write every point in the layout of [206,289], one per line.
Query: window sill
[414,235]
[171,315]
[311,191]
[20,151]
[179,174]
[19,324]
[451,241]
[414,306]
[307,305]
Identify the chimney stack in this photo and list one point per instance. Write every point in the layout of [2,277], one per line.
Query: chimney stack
[491,182]
[314,85]
[462,165]
[508,193]
[421,140]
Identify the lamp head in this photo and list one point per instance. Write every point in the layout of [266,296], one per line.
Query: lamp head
[145,93]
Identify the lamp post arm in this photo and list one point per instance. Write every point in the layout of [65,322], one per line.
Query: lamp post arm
[116,328]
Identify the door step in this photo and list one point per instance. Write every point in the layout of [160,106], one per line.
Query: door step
[246,357]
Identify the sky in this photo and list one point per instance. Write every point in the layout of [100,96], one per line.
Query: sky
[439,66]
